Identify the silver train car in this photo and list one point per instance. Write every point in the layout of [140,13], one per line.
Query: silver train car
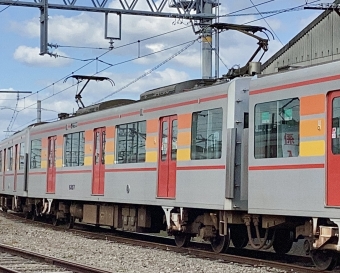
[252,161]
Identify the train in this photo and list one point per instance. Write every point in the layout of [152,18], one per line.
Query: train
[250,160]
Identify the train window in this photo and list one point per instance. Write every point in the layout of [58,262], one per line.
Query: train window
[174,140]
[276,130]
[22,156]
[74,149]
[10,159]
[206,134]
[336,126]
[103,146]
[130,145]
[35,159]
[164,153]
[0,161]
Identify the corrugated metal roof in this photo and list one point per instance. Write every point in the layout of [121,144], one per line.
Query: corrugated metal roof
[298,37]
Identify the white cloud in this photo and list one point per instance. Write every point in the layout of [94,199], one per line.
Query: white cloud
[76,30]
[155,47]
[30,56]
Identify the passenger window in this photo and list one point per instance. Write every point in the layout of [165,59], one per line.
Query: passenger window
[276,130]
[22,156]
[174,140]
[130,145]
[336,126]
[206,134]
[10,159]
[35,159]
[74,145]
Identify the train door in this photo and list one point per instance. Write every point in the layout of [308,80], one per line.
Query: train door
[51,166]
[98,172]
[333,149]
[15,167]
[167,160]
[4,172]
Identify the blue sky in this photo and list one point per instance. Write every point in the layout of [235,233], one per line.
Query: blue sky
[22,68]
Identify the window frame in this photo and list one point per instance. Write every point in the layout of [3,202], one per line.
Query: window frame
[10,158]
[37,164]
[277,128]
[21,153]
[211,132]
[130,143]
[76,151]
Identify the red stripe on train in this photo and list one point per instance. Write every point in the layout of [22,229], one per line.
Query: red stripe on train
[295,84]
[193,168]
[287,167]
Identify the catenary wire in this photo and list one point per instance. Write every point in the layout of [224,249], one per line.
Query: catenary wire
[281,11]
[266,22]
[110,65]
[124,62]
[145,74]
[149,72]
[8,6]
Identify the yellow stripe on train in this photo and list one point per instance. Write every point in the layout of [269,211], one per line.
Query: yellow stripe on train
[312,148]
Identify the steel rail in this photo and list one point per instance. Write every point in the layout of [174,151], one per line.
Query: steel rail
[74,267]
[7,270]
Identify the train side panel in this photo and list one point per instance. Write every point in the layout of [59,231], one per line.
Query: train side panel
[13,178]
[288,142]
[103,176]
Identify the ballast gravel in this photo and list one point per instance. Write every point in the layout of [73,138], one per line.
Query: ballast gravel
[108,255]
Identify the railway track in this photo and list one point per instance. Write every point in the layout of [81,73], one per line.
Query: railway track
[263,259]
[16,260]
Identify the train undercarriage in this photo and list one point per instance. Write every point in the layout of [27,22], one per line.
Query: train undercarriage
[219,228]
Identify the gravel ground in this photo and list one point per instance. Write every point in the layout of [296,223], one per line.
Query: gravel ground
[109,255]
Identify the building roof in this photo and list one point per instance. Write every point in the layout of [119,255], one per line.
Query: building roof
[298,37]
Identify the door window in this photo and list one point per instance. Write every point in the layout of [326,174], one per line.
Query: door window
[336,126]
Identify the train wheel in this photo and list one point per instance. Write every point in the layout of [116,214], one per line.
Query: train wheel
[27,215]
[182,239]
[239,236]
[70,222]
[34,216]
[283,241]
[55,221]
[324,259]
[219,243]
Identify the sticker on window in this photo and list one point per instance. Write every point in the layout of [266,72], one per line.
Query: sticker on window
[333,132]
[288,114]
[265,117]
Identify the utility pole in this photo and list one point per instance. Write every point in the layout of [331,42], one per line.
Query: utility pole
[38,111]
[206,42]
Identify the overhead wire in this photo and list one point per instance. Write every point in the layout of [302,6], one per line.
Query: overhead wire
[90,61]
[266,22]
[145,74]
[8,6]
[63,78]
[14,115]
[285,10]
[138,41]
[157,66]
[110,65]
[148,72]
[37,92]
